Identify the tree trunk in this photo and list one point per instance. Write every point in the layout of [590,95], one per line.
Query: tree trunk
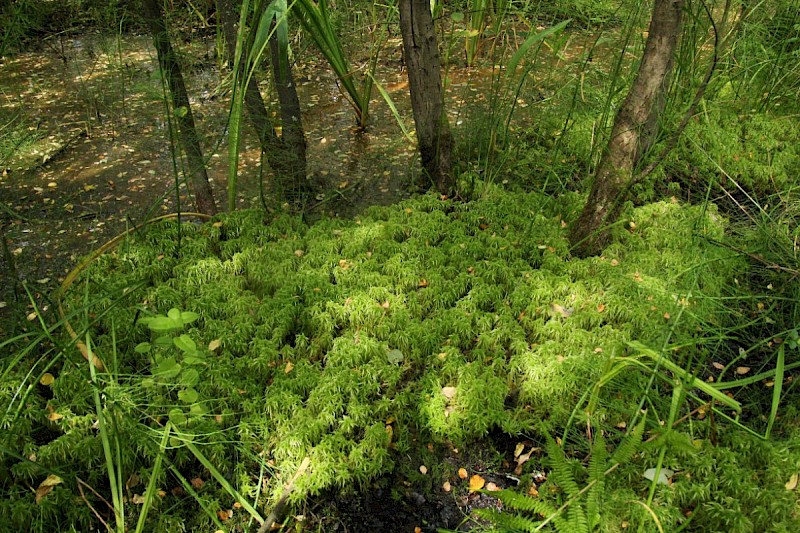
[427,99]
[589,234]
[292,134]
[286,154]
[187,133]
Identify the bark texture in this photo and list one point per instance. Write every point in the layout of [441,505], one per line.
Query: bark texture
[293,135]
[638,113]
[285,154]
[427,99]
[187,132]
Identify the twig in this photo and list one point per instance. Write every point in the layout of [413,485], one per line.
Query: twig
[279,511]
[81,483]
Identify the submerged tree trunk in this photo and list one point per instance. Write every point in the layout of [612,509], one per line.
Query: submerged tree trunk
[187,133]
[285,154]
[589,234]
[427,99]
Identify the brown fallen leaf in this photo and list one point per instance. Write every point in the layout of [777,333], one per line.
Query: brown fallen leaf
[46,486]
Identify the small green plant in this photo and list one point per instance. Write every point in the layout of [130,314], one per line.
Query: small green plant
[569,507]
[177,364]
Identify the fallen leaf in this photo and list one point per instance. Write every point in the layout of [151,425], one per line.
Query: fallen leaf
[718,366]
[137,499]
[446,486]
[491,487]
[462,473]
[742,370]
[213,345]
[518,449]
[521,460]
[792,483]
[561,310]
[46,486]
[289,367]
[601,308]
[422,283]
[664,475]
[225,515]
[52,417]
[47,379]
[299,253]
[423,469]
[476,482]
[449,392]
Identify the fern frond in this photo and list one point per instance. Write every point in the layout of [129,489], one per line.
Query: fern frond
[598,461]
[523,502]
[577,522]
[507,522]
[630,444]
[597,470]
[562,471]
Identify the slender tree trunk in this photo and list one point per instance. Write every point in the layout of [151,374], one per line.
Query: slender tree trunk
[187,133]
[427,98]
[293,135]
[286,154]
[589,234]
[253,101]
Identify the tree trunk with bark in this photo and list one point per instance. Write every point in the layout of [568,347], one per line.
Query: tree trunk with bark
[292,133]
[427,98]
[639,111]
[187,132]
[285,154]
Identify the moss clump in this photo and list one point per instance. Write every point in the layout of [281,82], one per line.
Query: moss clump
[347,340]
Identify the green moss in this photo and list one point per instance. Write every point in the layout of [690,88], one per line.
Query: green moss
[346,340]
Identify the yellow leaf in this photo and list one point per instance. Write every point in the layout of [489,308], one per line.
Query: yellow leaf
[446,486]
[742,370]
[46,486]
[52,417]
[213,345]
[462,473]
[47,379]
[476,482]
[518,449]
[792,483]
[289,367]
[449,392]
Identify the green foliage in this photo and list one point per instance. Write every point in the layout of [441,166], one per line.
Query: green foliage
[585,12]
[570,507]
[757,152]
[347,342]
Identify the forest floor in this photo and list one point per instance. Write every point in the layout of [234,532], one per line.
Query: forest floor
[94,158]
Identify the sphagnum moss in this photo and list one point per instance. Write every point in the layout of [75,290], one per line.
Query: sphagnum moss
[338,340]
